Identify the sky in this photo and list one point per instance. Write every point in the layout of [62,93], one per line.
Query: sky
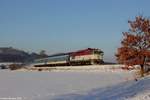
[67,25]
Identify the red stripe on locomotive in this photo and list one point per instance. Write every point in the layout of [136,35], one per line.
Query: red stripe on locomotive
[88,51]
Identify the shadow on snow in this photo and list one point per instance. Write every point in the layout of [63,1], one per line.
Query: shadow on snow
[117,92]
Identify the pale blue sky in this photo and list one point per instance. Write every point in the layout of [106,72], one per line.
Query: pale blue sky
[67,25]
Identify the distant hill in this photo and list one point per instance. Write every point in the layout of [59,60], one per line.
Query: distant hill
[9,54]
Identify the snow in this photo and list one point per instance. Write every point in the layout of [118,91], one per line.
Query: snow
[70,85]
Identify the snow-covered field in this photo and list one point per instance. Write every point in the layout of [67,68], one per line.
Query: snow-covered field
[69,85]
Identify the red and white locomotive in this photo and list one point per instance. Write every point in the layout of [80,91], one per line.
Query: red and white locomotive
[87,56]
[82,57]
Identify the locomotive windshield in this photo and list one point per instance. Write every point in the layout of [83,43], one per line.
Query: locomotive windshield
[97,52]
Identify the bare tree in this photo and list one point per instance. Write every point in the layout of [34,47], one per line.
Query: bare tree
[43,54]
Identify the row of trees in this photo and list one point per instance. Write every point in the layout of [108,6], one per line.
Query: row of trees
[135,46]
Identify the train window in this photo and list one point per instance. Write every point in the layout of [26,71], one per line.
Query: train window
[73,57]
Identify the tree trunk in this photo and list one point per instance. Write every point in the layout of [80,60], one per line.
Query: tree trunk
[142,66]
[142,70]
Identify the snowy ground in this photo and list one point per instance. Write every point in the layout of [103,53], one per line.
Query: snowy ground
[68,85]
[130,90]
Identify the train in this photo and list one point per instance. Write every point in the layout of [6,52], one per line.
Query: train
[87,56]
